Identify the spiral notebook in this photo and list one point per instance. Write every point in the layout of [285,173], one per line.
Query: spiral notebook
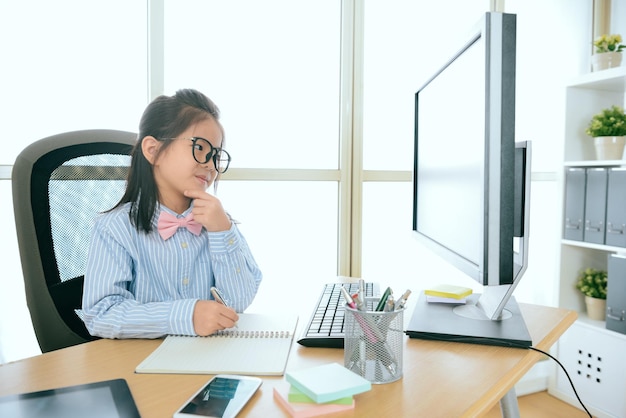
[260,345]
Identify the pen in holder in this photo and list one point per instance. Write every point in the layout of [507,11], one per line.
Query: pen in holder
[373,343]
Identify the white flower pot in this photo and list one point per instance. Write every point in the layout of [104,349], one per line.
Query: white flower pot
[609,147]
[596,308]
[606,60]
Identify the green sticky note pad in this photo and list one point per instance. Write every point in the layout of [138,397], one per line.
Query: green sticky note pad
[298,397]
[328,382]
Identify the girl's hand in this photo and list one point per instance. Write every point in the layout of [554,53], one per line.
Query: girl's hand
[210,316]
[208,210]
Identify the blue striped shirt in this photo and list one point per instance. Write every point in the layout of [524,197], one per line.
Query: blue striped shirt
[139,286]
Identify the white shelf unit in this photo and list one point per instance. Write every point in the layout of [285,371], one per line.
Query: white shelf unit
[592,354]
[586,96]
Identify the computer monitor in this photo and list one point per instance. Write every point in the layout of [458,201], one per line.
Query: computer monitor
[471,187]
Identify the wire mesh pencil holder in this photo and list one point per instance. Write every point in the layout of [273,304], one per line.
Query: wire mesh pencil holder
[373,343]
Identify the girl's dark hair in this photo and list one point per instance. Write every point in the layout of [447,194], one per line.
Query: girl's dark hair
[165,118]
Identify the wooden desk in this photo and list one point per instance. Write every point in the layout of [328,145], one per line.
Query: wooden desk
[440,378]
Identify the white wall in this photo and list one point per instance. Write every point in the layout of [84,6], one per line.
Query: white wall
[17,338]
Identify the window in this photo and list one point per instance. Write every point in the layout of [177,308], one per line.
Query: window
[391,76]
[273,69]
[70,65]
[66,65]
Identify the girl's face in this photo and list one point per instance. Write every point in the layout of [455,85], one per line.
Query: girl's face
[176,170]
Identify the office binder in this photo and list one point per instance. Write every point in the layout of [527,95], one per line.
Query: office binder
[595,205]
[616,294]
[616,207]
[575,179]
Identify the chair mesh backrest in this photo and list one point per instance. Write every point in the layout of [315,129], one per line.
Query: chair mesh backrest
[78,191]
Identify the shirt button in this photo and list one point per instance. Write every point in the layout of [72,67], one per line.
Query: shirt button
[185,281]
[183,244]
[231,241]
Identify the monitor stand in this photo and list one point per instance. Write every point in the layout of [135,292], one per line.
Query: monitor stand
[467,323]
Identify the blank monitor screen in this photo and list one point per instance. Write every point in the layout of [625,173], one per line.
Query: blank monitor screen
[451,166]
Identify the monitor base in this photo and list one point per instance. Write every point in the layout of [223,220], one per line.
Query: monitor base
[439,321]
[472,311]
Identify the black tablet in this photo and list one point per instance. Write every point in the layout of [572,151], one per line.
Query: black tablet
[111,398]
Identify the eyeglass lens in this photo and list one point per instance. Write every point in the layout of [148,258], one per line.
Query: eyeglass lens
[203,151]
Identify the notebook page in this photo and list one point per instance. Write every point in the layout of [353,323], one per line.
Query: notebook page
[259,346]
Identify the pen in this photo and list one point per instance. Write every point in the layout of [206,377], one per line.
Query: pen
[402,301]
[390,304]
[362,296]
[368,330]
[358,357]
[384,354]
[348,298]
[383,299]
[358,301]
[217,295]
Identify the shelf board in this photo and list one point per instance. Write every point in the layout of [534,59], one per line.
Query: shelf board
[598,325]
[612,79]
[595,163]
[582,317]
[592,246]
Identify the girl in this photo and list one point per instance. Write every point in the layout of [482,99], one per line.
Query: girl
[154,257]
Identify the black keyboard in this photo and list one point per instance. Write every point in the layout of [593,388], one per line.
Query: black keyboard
[325,328]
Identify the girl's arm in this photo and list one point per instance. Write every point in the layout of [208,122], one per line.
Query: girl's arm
[236,273]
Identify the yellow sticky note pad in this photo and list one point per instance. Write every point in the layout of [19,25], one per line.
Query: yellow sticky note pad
[448,291]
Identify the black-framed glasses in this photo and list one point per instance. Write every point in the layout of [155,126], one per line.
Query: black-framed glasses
[203,151]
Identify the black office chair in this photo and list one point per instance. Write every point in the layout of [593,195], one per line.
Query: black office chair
[60,184]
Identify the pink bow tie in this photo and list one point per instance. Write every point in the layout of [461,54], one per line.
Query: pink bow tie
[169,224]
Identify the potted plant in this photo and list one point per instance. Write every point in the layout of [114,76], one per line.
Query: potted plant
[593,284]
[608,52]
[608,128]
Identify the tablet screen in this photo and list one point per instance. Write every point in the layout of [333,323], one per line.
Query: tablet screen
[111,398]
